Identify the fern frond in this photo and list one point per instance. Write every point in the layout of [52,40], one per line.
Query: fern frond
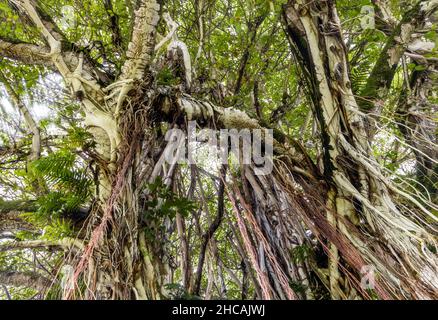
[359,75]
[61,170]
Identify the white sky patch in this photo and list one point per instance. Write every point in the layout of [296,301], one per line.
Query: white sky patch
[8,107]
[38,110]
[41,111]
[406,167]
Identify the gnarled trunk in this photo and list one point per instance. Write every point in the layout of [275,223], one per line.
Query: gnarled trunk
[359,196]
[358,215]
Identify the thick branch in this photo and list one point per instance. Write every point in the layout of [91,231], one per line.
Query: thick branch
[10,219]
[213,116]
[24,279]
[65,244]
[11,222]
[32,54]
[63,54]
[25,52]
[141,46]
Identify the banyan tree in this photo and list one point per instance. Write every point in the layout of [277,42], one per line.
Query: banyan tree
[342,94]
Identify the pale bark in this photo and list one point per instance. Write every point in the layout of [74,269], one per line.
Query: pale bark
[28,118]
[65,244]
[142,44]
[186,268]
[120,262]
[318,45]
[24,279]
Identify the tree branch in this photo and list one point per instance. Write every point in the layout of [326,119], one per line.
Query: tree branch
[116,34]
[65,244]
[30,121]
[417,130]
[24,279]
[63,54]
[11,222]
[141,46]
[25,52]
[32,54]
[380,79]
[206,237]
[385,20]
[252,29]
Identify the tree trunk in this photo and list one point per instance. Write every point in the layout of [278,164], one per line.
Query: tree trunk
[347,202]
[359,196]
